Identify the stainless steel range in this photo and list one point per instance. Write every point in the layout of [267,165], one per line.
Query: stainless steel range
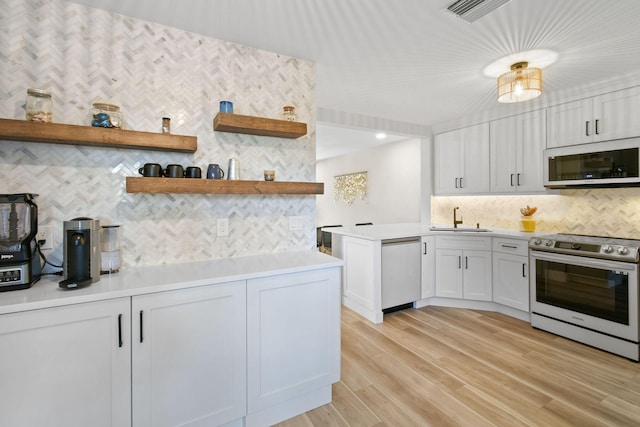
[586,288]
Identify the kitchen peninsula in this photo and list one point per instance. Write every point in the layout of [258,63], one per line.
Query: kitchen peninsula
[486,269]
[239,341]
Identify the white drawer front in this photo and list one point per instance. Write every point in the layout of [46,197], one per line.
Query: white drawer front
[463,242]
[511,246]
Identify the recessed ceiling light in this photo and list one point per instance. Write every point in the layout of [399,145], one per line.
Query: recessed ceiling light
[381,135]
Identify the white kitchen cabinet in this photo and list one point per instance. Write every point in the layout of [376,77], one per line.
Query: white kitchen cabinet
[66,366]
[189,352]
[293,335]
[601,118]
[516,149]
[463,268]
[510,273]
[462,161]
[428,266]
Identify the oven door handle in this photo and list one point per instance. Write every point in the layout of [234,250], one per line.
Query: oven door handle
[583,261]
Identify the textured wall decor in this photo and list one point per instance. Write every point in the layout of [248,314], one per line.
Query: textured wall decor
[613,212]
[350,186]
[82,55]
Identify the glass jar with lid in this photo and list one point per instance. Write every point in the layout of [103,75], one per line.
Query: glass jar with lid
[289,113]
[39,106]
[106,115]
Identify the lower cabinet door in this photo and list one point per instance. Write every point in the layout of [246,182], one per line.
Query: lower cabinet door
[189,353]
[66,366]
[511,284]
[477,275]
[293,335]
[428,266]
[449,273]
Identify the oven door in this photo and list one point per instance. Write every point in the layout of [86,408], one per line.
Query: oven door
[596,294]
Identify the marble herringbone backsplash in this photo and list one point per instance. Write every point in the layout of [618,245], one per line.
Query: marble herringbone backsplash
[604,212]
[82,55]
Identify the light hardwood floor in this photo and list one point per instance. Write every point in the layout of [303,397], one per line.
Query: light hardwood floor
[438,366]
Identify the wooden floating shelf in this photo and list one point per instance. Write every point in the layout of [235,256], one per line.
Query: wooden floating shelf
[219,186]
[236,123]
[57,133]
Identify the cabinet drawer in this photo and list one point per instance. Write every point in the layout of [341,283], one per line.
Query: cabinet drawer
[463,242]
[511,246]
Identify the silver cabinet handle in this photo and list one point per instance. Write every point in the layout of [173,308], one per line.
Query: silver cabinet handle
[461,186]
[457,182]
[586,131]
[518,180]
[466,263]
[509,246]
[511,180]
[459,262]
[425,248]
[524,269]
[597,131]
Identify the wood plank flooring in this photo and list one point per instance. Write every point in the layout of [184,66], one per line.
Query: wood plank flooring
[439,366]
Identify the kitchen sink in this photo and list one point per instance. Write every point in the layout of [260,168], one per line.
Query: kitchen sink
[461,229]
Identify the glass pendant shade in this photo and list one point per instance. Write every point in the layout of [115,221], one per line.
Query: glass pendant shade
[520,84]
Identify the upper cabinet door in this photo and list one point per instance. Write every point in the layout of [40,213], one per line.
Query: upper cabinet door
[462,161]
[615,115]
[569,124]
[447,162]
[475,149]
[503,149]
[600,118]
[531,129]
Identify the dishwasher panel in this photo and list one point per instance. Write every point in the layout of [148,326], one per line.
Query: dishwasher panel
[401,276]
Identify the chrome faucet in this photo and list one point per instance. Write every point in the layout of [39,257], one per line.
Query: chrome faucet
[455,220]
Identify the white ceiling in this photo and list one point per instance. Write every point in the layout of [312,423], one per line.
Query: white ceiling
[338,140]
[411,60]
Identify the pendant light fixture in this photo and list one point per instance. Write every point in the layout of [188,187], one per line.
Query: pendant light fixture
[520,84]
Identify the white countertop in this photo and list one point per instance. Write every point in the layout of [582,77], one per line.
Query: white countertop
[46,292]
[398,231]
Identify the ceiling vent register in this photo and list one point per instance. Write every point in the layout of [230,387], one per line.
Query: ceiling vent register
[472,10]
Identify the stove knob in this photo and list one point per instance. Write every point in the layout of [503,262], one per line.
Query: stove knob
[548,243]
[607,249]
[537,242]
[622,250]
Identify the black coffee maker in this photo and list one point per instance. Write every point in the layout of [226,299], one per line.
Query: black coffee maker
[81,251]
[20,265]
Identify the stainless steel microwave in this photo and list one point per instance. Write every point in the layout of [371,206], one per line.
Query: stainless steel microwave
[603,164]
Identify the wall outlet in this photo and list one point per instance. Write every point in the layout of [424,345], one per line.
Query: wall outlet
[222,225]
[296,223]
[45,232]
